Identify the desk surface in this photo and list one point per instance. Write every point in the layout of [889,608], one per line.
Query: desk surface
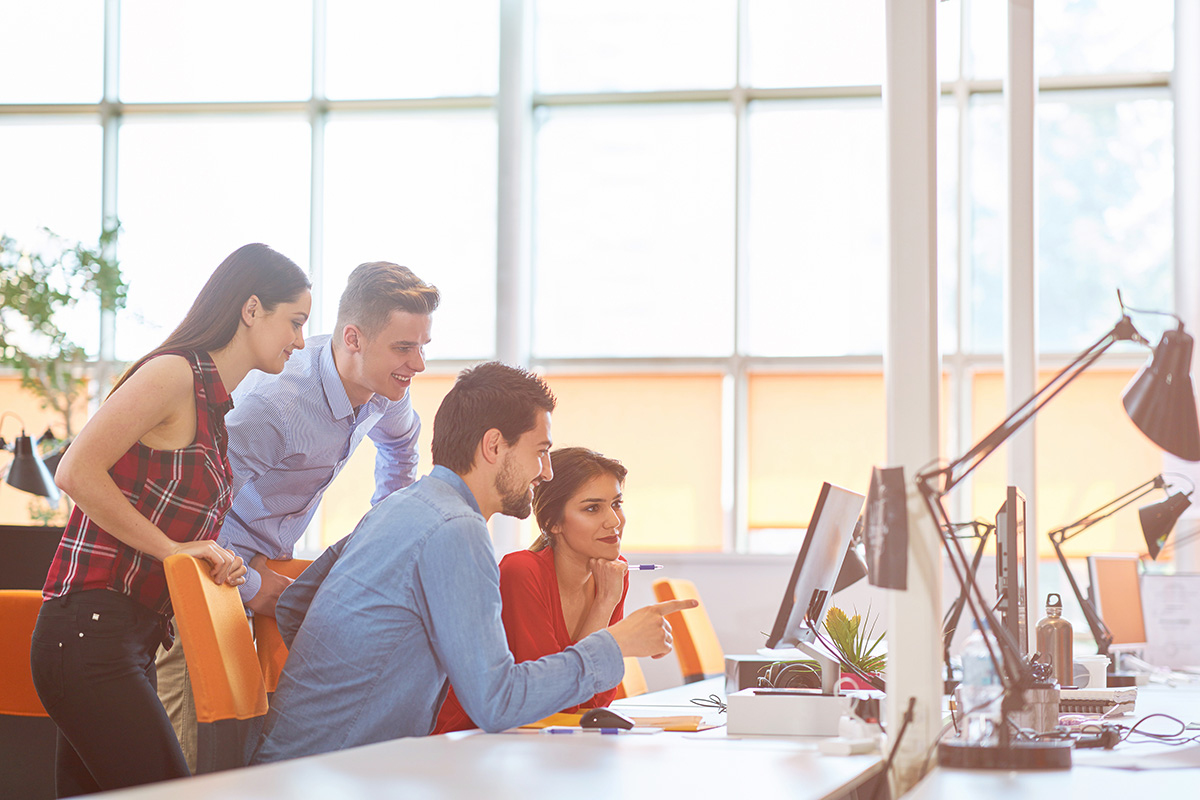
[1130,770]
[524,765]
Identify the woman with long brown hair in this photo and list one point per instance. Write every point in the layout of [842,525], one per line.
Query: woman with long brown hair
[150,478]
[572,581]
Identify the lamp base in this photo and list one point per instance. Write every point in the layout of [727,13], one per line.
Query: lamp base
[1019,755]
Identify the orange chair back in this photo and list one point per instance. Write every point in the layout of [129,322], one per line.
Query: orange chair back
[696,644]
[18,615]
[634,682]
[226,680]
[272,652]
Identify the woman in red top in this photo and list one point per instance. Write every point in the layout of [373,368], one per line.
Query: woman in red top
[572,581]
[150,478]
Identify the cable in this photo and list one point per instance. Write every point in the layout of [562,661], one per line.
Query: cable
[887,766]
[712,701]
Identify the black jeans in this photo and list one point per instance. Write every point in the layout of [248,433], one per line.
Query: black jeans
[93,666]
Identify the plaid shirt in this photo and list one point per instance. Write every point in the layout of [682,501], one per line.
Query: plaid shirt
[185,492]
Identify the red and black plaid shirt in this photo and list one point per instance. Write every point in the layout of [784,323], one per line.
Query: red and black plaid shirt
[185,492]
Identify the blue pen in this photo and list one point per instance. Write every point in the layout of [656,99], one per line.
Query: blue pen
[645,566]
[565,729]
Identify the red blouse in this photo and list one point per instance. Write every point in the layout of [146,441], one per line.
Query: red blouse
[185,492]
[533,620]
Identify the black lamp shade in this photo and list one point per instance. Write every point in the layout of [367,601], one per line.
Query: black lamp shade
[1158,520]
[28,473]
[853,570]
[1160,400]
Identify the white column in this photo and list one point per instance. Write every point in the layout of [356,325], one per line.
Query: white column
[1185,84]
[1020,275]
[514,119]
[911,370]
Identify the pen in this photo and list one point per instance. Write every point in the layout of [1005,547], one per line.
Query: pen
[564,729]
[645,566]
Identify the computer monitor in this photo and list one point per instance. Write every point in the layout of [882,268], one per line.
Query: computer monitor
[1117,595]
[817,566]
[1011,567]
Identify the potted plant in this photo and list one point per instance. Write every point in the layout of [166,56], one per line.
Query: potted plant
[851,637]
[36,286]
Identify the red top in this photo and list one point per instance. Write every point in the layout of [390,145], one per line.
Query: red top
[533,619]
[185,492]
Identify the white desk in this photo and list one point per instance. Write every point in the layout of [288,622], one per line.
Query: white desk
[1095,774]
[530,765]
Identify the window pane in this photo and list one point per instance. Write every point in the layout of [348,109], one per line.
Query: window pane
[52,51]
[817,255]
[230,182]
[1105,214]
[631,45]
[51,169]
[1079,37]
[947,225]
[816,44]
[840,416]
[633,250]
[1088,453]
[217,50]
[666,429]
[419,190]
[949,39]
[988,187]
[383,48]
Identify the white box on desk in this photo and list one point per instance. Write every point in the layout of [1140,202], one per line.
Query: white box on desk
[782,712]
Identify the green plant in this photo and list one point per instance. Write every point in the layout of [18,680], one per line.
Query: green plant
[36,286]
[851,637]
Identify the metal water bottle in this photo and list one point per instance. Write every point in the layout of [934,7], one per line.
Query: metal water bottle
[1055,641]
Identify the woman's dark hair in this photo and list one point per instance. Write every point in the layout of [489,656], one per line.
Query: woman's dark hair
[212,321]
[573,467]
[486,396]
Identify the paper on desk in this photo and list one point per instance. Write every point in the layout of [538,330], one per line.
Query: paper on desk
[1187,757]
[678,723]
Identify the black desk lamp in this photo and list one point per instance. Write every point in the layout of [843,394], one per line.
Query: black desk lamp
[980,531]
[1157,521]
[27,472]
[854,569]
[1161,403]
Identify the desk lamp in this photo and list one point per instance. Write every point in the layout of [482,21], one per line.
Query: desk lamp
[1157,521]
[1161,403]
[27,472]
[854,569]
[980,530]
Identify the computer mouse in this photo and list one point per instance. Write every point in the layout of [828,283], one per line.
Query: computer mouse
[605,718]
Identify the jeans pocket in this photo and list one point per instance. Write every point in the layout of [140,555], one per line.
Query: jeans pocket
[46,663]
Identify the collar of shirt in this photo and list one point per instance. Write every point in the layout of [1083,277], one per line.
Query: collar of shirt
[451,477]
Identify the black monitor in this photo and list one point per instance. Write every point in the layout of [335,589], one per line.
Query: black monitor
[1011,567]
[817,566]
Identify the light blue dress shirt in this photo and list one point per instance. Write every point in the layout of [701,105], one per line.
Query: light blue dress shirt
[289,436]
[410,599]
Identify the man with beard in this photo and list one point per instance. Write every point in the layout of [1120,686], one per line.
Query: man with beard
[409,602]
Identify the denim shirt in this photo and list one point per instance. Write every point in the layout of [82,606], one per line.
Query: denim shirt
[409,599]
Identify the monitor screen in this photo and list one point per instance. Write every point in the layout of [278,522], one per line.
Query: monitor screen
[1011,567]
[817,566]
[1117,596]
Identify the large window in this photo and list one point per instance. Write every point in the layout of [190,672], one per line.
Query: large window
[700,213]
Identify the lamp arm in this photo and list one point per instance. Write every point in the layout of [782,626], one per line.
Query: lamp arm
[954,473]
[950,623]
[1068,532]
[1100,631]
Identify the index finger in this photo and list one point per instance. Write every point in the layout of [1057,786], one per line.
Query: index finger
[671,606]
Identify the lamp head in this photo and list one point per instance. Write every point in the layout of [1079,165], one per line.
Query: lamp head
[1159,518]
[28,473]
[1160,400]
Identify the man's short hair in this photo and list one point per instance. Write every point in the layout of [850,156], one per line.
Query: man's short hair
[376,289]
[486,396]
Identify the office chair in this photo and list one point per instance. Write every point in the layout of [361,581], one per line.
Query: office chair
[634,682]
[696,644]
[27,735]
[231,699]
[272,652]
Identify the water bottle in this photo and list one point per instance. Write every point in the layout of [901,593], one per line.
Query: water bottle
[1055,641]
[980,691]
